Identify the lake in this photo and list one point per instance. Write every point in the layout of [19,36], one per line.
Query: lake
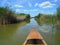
[15,34]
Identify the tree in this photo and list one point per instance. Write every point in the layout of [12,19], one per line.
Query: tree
[7,15]
[58,12]
[38,16]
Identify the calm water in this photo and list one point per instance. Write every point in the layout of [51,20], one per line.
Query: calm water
[15,34]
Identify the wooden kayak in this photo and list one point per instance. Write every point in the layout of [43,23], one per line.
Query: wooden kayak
[34,38]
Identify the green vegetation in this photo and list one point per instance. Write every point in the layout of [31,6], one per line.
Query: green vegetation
[37,18]
[7,16]
[51,19]
[23,17]
[46,19]
[58,13]
[58,17]
[39,15]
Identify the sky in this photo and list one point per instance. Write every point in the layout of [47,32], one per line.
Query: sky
[32,7]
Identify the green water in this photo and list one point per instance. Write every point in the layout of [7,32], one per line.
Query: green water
[15,34]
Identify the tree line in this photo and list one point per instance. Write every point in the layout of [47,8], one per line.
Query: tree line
[8,16]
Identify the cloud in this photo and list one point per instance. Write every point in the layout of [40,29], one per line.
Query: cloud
[17,10]
[18,6]
[45,4]
[30,5]
[55,0]
[36,4]
[31,10]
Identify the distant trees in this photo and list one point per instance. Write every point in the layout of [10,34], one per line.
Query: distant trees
[28,16]
[38,16]
[58,13]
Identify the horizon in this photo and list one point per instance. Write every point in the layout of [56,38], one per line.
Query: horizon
[32,7]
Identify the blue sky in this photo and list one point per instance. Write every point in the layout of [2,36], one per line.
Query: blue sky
[32,7]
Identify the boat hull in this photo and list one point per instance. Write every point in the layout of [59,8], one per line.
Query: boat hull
[34,38]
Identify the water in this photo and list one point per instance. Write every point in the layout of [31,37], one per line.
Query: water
[15,34]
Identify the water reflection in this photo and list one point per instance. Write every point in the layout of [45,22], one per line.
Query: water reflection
[8,30]
[57,36]
[48,31]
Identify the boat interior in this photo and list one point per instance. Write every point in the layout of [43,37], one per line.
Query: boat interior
[34,42]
